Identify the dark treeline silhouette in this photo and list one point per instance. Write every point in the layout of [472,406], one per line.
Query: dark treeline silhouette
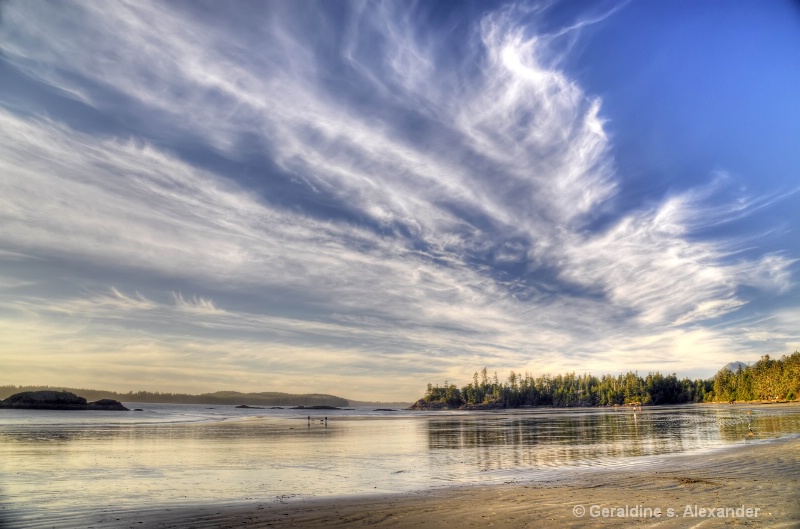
[267,398]
[767,379]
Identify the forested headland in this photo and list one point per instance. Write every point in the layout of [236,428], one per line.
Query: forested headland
[267,398]
[765,380]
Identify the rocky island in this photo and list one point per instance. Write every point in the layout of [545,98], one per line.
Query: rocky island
[424,405]
[57,400]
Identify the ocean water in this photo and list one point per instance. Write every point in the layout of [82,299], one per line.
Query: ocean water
[53,463]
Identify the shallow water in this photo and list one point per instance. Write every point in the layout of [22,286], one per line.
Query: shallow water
[55,463]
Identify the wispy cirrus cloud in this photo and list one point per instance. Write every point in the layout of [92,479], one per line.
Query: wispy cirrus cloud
[461,207]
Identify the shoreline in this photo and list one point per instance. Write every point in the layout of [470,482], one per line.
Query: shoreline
[763,475]
[629,406]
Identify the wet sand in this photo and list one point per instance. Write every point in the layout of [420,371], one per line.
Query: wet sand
[759,475]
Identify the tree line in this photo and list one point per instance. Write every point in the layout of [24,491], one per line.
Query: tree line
[767,379]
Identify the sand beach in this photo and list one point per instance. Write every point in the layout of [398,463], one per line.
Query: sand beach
[747,485]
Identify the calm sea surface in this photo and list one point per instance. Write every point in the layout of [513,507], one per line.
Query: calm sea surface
[60,462]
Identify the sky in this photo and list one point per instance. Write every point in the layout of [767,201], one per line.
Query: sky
[359,198]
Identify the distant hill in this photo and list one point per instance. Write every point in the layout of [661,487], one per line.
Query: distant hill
[266,398]
[379,404]
[273,398]
[734,366]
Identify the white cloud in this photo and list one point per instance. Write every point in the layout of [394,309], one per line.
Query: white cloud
[522,148]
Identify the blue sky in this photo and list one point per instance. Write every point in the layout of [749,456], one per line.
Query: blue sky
[360,198]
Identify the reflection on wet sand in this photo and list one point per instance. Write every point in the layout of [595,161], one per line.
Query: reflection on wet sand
[54,468]
[220,431]
[594,438]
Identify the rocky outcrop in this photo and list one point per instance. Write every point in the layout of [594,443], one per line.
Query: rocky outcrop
[45,400]
[484,406]
[422,404]
[57,400]
[106,404]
